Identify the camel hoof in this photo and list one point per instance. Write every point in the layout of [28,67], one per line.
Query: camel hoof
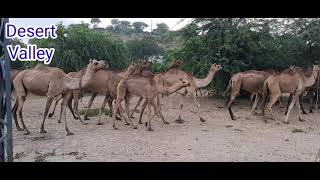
[86,118]
[27,133]
[150,129]
[202,120]
[70,133]
[127,124]
[165,122]
[132,117]
[115,128]
[50,115]
[140,122]
[43,131]
[286,122]
[117,118]
[99,123]
[179,121]
[59,121]
[234,118]
[135,127]
[302,120]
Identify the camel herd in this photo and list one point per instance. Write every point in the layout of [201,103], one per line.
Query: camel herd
[118,86]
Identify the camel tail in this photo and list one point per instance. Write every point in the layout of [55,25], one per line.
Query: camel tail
[230,85]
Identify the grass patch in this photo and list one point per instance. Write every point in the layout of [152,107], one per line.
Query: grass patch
[95,112]
[298,131]
[42,157]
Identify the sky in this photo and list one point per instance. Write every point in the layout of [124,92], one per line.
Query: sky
[173,23]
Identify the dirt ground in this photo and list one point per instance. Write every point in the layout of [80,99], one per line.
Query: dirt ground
[217,139]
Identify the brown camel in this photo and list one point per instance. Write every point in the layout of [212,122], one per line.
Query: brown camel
[51,82]
[250,81]
[147,88]
[76,94]
[289,81]
[96,86]
[172,76]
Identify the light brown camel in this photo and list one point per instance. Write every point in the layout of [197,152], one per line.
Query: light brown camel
[289,81]
[147,88]
[75,95]
[250,81]
[115,76]
[51,82]
[172,76]
[96,86]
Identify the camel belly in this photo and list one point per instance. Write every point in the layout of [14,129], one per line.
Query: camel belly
[252,85]
[36,86]
[288,86]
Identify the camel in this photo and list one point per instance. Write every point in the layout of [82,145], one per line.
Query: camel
[172,76]
[147,88]
[289,81]
[250,81]
[76,94]
[51,82]
[96,86]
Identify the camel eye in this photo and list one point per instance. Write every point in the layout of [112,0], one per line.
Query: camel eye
[96,63]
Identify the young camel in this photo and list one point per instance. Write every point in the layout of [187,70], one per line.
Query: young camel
[174,75]
[250,81]
[289,81]
[50,82]
[147,88]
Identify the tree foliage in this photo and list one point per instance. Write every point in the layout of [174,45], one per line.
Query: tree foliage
[77,43]
[143,48]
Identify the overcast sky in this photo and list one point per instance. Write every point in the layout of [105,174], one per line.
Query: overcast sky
[173,23]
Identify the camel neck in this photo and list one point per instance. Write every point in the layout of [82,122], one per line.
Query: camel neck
[200,83]
[169,90]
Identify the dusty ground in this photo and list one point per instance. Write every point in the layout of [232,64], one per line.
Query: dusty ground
[217,139]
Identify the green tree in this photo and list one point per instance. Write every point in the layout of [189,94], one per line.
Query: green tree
[143,48]
[139,26]
[95,22]
[161,29]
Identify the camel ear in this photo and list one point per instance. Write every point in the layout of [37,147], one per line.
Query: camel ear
[90,60]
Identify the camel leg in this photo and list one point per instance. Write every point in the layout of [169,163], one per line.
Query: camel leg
[138,103]
[69,105]
[14,114]
[110,100]
[273,100]
[158,110]
[93,96]
[55,105]
[144,105]
[256,100]
[231,99]
[150,116]
[76,99]
[289,101]
[21,101]
[64,110]
[280,102]
[127,108]
[48,104]
[101,108]
[294,99]
[299,107]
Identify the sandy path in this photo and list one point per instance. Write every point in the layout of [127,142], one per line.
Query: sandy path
[217,139]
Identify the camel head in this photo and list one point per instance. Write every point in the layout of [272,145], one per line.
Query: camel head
[316,70]
[175,64]
[145,64]
[215,67]
[96,65]
[184,83]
